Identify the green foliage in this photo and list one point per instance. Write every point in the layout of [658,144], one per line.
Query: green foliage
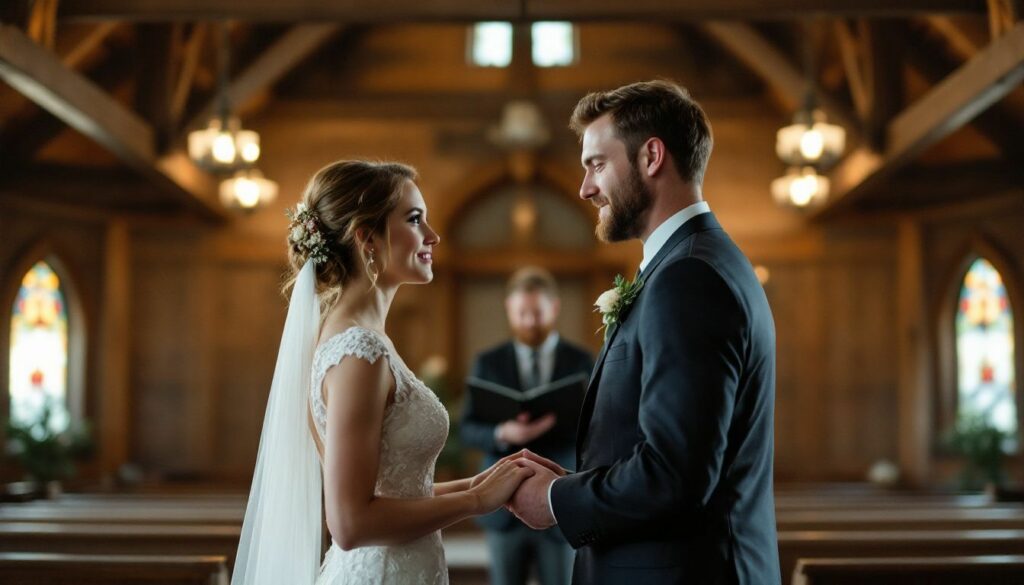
[45,454]
[982,446]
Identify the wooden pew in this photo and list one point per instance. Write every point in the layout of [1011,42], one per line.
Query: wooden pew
[978,570]
[129,539]
[901,519]
[886,500]
[794,545]
[78,569]
[121,514]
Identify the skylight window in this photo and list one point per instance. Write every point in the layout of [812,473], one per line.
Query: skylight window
[554,44]
[492,44]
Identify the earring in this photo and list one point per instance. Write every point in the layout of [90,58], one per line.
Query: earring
[371,269]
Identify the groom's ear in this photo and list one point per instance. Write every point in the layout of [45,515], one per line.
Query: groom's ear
[652,156]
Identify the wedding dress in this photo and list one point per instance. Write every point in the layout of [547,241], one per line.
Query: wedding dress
[415,428]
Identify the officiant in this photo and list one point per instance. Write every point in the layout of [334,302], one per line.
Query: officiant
[535,356]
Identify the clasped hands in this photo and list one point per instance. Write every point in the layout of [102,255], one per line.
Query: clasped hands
[527,492]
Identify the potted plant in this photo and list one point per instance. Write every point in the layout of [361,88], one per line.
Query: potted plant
[48,454]
[984,447]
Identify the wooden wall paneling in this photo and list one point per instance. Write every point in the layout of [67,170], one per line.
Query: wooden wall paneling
[162,361]
[875,348]
[915,386]
[813,389]
[785,406]
[201,389]
[114,394]
[249,313]
[843,394]
[801,432]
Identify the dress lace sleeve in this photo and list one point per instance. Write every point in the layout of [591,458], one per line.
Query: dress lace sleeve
[355,341]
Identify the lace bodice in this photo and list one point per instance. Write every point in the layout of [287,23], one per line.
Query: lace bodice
[415,428]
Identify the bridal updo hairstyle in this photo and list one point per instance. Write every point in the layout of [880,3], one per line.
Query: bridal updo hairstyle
[346,196]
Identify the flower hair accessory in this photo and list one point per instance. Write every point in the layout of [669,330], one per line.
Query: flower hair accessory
[304,233]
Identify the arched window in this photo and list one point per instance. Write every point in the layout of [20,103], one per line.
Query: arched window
[39,348]
[986,379]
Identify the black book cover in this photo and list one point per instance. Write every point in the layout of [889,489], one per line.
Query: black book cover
[495,403]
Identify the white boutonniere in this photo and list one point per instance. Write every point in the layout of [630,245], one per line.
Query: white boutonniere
[612,302]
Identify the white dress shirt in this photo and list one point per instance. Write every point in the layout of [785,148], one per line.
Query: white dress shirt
[524,358]
[524,363]
[652,246]
[663,232]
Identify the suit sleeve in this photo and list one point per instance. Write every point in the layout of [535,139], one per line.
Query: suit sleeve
[474,432]
[691,340]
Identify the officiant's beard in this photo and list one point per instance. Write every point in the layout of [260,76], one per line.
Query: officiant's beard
[628,210]
[532,336]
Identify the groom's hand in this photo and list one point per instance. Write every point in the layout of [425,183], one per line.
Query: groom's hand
[558,469]
[530,502]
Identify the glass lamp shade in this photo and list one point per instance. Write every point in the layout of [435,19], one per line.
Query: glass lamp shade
[800,188]
[522,127]
[224,149]
[810,140]
[247,190]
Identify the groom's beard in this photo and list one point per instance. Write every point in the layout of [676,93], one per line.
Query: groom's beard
[628,209]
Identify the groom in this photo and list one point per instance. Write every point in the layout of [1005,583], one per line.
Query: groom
[674,450]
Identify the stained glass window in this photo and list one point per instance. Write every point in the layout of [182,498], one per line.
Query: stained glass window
[984,344]
[39,348]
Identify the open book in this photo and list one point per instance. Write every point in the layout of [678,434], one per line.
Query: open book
[495,403]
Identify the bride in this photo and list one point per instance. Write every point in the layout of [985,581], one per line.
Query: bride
[344,407]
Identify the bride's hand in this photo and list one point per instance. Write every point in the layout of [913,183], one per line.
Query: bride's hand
[485,473]
[496,489]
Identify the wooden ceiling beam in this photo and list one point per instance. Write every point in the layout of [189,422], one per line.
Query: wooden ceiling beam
[857,77]
[40,76]
[294,46]
[471,10]
[963,43]
[1000,124]
[187,74]
[777,70]
[953,102]
[88,45]
[884,49]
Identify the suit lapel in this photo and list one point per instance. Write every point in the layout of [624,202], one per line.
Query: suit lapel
[702,222]
[510,367]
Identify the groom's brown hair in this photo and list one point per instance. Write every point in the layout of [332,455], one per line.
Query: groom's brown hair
[647,109]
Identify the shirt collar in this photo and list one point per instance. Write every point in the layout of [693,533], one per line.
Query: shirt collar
[663,232]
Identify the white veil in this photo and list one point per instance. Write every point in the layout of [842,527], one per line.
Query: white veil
[281,534]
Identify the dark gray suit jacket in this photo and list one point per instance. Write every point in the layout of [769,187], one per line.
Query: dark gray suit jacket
[499,365]
[674,451]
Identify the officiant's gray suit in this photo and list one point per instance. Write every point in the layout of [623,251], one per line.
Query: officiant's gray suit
[674,449]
